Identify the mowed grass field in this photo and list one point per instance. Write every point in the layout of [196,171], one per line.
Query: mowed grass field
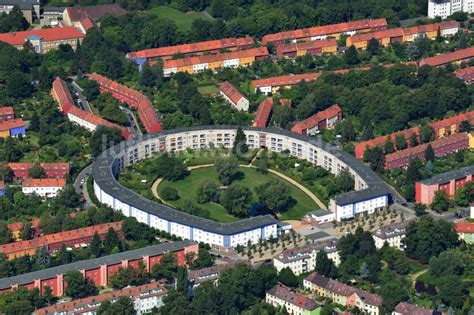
[182,20]
[188,186]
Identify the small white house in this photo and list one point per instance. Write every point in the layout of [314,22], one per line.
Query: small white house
[43,187]
[233,96]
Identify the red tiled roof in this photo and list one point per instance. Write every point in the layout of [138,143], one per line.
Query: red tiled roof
[444,123]
[16,226]
[284,293]
[294,47]
[94,12]
[193,48]
[87,24]
[264,110]
[314,120]
[45,166]
[146,112]
[325,30]
[44,182]
[2,184]
[59,237]
[465,74]
[11,124]
[189,61]
[443,59]
[92,303]
[66,104]
[464,227]
[285,80]
[6,110]
[231,92]
[47,34]
[421,148]
[399,32]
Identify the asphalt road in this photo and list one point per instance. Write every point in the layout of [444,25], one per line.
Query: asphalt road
[134,128]
[80,184]
[80,96]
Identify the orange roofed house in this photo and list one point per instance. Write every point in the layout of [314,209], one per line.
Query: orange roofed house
[233,96]
[52,170]
[440,147]
[465,74]
[6,113]
[145,299]
[274,84]
[241,58]
[317,47]
[86,17]
[327,118]
[401,35]
[43,187]
[264,111]
[465,230]
[458,56]
[442,128]
[12,128]
[211,47]
[294,303]
[44,40]
[61,94]
[53,242]
[343,294]
[323,32]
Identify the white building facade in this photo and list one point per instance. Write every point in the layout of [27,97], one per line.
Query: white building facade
[111,193]
[393,234]
[445,8]
[303,259]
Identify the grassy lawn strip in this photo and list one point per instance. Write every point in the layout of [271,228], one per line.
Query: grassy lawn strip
[187,190]
[208,89]
[182,20]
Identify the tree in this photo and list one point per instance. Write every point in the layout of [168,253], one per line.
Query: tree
[167,268]
[429,153]
[170,167]
[465,126]
[79,287]
[351,56]
[26,232]
[450,262]
[440,201]
[169,194]
[147,77]
[375,157]
[427,133]
[123,305]
[428,238]
[392,293]
[43,258]
[461,198]
[413,140]
[111,240]
[400,142]
[413,171]
[5,233]
[240,146]
[175,303]
[104,138]
[261,163]
[388,146]
[274,195]
[325,266]
[344,180]
[373,47]
[420,209]
[288,278]
[36,171]
[396,260]
[182,283]
[95,246]
[227,169]
[451,290]
[237,199]
[207,192]
[204,259]
[130,276]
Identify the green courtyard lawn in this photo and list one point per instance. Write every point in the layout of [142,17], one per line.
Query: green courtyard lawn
[182,20]
[208,90]
[187,190]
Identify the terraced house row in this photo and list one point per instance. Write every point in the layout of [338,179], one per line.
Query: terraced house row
[442,128]
[241,58]
[98,270]
[62,95]
[193,49]
[135,99]
[21,170]
[404,34]
[53,242]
